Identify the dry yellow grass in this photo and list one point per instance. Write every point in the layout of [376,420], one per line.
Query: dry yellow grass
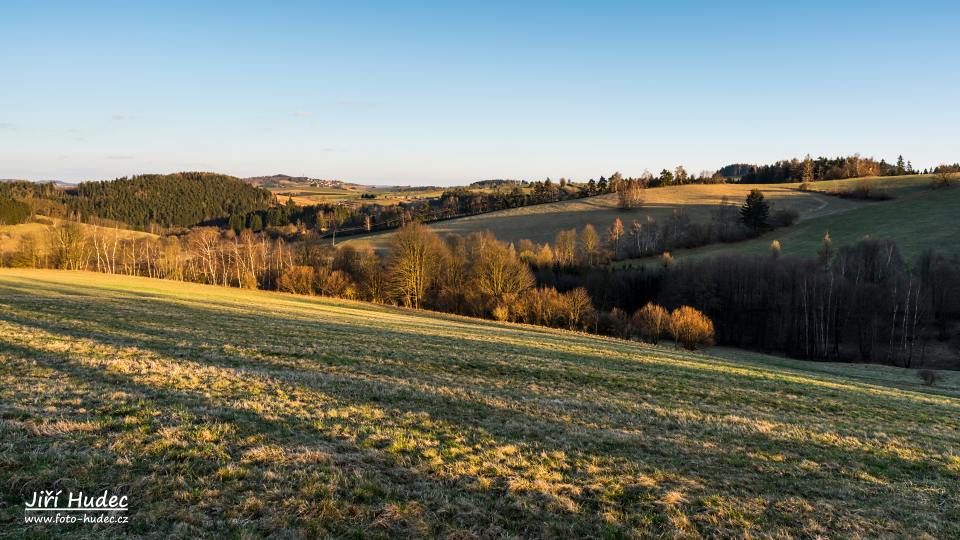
[241,414]
[11,235]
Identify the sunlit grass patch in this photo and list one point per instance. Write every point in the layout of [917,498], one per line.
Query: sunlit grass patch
[245,414]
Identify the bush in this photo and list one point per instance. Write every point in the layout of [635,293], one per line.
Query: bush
[650,322]
[691,328]
[865,191]
[501,313]
[784,217]
[336,284]
[543,306]
[666,259]
[928,376]
[297,280]
[614,323]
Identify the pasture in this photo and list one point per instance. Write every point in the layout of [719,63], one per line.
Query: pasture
[238,414]
[541,222]
[918,218]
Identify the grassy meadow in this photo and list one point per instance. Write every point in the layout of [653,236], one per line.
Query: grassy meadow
[12,235]
[240,414]
[917,218]
[541,222]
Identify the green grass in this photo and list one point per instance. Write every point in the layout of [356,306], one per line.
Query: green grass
[919,218]
[540,223]
[894,185]
[240,414]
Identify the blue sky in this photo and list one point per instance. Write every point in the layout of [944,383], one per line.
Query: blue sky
[447,92]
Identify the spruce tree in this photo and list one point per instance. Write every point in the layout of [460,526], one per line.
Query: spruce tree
[755,211]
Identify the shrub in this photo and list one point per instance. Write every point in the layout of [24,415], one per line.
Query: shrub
[865,190]
[775,249]
[544,306]
[690,328]
[650,322]
[501,313]
[928,376]
[336,284]
[666,259]
[784,217]
[614,323]
[297,280]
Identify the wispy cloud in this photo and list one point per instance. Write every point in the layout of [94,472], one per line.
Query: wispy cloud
[7,125]
[303,114]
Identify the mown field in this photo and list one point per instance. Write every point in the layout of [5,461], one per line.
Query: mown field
[917,218]
[541,222]
[240,414]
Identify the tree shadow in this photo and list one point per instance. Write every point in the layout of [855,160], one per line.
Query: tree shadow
[462,404]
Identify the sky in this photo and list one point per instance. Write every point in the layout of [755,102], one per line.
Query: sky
[452,92]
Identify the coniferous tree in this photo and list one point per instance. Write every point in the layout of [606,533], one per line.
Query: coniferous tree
[755,211]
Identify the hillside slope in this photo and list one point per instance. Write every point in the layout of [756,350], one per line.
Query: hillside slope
[220,410]
[12,235]
[918,219]
[541,222]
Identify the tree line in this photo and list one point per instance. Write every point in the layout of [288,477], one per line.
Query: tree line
[476,275]
[859,302]
[13,211]
[812,169]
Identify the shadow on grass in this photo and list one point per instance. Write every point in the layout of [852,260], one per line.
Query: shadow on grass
[482,423]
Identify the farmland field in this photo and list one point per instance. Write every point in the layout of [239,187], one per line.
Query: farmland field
[541,222]
[244,413]
[308,195]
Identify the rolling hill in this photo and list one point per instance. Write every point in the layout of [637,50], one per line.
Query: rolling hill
[918,218]
[244,413]
[12,235]
[540,223]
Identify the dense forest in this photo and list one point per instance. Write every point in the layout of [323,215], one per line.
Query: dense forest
[862,302]
[145,202]
[173,200]
[13,211]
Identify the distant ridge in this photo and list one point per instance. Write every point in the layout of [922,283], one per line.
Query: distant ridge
[283,180]
[56,183]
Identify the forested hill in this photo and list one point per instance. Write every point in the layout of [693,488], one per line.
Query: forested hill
[182,199]
[170,200]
